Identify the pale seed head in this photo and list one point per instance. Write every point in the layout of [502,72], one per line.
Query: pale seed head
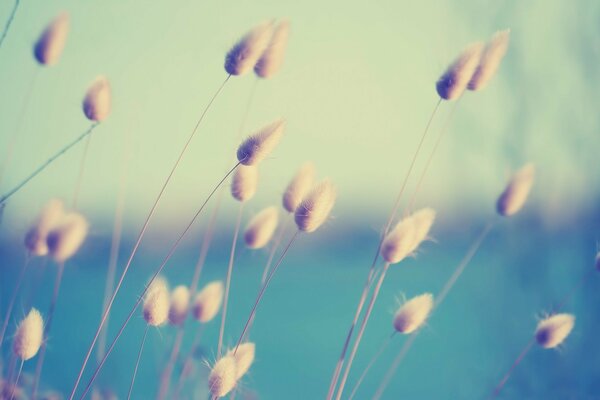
[454,81]
[97,100]
[316,206]
[553,330]
[259,145]
[67,236]
[413,314]
[244,182]
[180,305]
[245,53]
[156,302]
[491,58]
[208,301]
[223,376]
[50,216]
[51,43]
[272,58]
[29,335]
[515,195]
[261,228]
[299,187]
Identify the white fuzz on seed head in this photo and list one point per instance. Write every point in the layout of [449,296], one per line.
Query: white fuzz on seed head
[423,220]
[223,376]
[261,228]
[180,305]
[244,357]
[491,58]
[514,196]
[299,187]
[67,236]
[259,145]
[314,209]
[29,335]
[271,60]
[35,238]
[208,301]
[553,330]
[408,234]
[413,314]
[244,182]
[156,302]
[97,100]
[245,53]
[454,81]
[51,43]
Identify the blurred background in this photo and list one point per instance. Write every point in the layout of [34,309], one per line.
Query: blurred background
[356,88]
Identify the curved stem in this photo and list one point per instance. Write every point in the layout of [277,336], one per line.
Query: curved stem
[388,376]
[156,273]
[9,21]
[520,358]
[48,325]
[374,359]
[139,239]
[361,331]
[137,362]
[165,379]
[371,275]
[16,384]
[48,162]
[80,173]
[228,280]
[13,298]
[261,293]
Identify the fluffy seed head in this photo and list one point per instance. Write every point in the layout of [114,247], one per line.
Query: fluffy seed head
[271,60]
[454,81]
[65,238]
[398,243]
[223,376]
[244,182]
[514,196]
[412,314]
[208,301]
[29,335]
[260,144]
[261,228]
[491,58]
[156,302]
[244,357]
[298,187]
[180,304]
[245,53]
[314,209]
[35,238]
[423,221]
[97,100]
[553,330]
[50,45]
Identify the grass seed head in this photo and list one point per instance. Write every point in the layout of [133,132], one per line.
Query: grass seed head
[208,302]
[180,305]
[223,376]
[36,236]
[244,55]
[491,58]
[316,206]
[51,43]
[454,81]
[515,195]
[67,236]
[156,302]
[553,330]
[29,335]
[271,60]
[97,100]
[244,183]
[299,187]
[413,314]
[259,145]
[261,228]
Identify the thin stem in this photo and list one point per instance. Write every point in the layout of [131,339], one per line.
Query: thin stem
[48,325]
[137,362]
[48,162]
[383,347]
[165,379]
[520,358]
[9,21]
[371,275]
[228,280]
[139,239]
[13,298]
[261,293]
[36,281]
[14,388]
[80,172]
[187,364]
[438,301]
[361,331]
[21,118]
[247,109]
[575,289]
[156,273]
[443,130]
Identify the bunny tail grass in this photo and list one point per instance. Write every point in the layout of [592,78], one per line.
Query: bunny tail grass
[438,300]
[141,235]
[50,315]
[137,362]
[48,162]
[370,277]
[165,379]
[361,330]
[374,359]
[504,379]
[13,298]
[9,21]
[261,293]
[141,296]
[228,280]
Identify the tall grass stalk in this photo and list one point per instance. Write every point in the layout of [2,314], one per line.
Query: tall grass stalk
[165,378]
[137,362]
[140,237]
[228,279]
[517,361]
[9,21]
[156,273]
[16,384]
[80,172]
[62,151]
[187,363]
[13,298]
[371,273]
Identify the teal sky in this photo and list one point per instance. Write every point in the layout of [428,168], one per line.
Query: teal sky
[357,87]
